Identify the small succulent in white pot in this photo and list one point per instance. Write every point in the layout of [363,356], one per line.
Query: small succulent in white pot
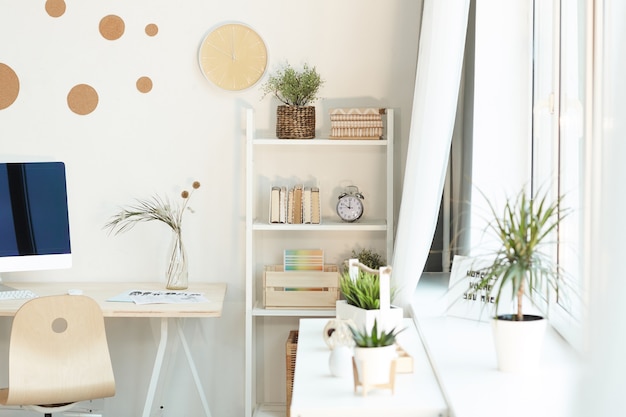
[373,355]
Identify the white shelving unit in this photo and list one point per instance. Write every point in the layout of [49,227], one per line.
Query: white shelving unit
[331,165]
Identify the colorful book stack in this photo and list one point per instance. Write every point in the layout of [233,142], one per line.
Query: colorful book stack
[356,123]
[303,260]
[296,205]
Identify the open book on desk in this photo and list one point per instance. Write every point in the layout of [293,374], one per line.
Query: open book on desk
[159,297]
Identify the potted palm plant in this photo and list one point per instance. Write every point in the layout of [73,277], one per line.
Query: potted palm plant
[296,89]
[521,269]
[374,355]
[367,297]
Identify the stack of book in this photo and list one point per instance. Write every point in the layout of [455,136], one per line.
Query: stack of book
[356,123]
[303,260]
[296,205]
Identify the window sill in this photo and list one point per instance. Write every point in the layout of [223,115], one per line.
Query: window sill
[463,358]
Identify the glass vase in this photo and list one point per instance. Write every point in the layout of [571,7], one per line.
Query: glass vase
[177,273]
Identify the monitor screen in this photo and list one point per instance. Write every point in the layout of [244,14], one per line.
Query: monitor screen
[34,221]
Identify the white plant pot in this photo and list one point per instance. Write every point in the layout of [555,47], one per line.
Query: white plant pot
[374,364]
[364,319]
[519,343]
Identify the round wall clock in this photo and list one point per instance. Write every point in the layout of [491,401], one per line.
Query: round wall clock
[350,204]
[233,56]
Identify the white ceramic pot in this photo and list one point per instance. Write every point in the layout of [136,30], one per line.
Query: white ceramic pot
[362,318]
[374,364]
[519,343]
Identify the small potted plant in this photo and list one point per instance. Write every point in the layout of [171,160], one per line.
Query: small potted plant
[374,353]
[296,89]
[521,268]
[367,297]
[369,258]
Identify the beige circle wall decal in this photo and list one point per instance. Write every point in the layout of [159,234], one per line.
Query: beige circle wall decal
[82,99]
[111,27]
[152,29]
[9,86]
[144,84]
[55,8]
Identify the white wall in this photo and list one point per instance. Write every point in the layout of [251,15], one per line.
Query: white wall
[135,145]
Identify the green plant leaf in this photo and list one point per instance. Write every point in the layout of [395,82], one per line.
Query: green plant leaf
[374,338]
[292,87]
[524,229]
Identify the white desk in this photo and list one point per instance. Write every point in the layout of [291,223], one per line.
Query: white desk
[316,393]
[102,291]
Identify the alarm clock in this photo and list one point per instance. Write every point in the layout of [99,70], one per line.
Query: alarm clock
[350,204]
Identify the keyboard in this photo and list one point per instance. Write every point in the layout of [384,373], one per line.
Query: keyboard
[17,295]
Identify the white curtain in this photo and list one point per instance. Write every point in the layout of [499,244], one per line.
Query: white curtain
[438,75]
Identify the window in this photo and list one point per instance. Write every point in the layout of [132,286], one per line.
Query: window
[559,135]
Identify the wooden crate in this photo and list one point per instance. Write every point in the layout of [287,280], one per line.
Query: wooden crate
[300,289]
[290,355]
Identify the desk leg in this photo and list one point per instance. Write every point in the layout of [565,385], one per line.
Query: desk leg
[194,370]
[158,364]
[156,370]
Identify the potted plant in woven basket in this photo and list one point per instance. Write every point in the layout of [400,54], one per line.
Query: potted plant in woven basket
[296,89]
[521,268]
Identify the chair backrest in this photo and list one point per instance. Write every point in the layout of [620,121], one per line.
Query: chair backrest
[58,352]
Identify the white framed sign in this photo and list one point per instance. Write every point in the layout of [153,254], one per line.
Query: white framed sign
[463,299]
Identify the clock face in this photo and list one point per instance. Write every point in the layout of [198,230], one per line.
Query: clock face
[233,56]
[349,208]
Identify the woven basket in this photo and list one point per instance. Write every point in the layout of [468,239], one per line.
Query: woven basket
[295,122]
[290,349]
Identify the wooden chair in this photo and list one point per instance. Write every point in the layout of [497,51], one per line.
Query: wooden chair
[58,354]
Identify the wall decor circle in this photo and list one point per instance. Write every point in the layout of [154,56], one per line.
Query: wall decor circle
[111,27]
[55,8]
[152,29]
[144,84]
[9,86]
[82,99]
[233,56]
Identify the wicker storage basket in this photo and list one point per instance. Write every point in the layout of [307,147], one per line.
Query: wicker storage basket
[295,122]
[290,348]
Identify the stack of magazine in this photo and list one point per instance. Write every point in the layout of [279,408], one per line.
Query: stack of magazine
[356,123]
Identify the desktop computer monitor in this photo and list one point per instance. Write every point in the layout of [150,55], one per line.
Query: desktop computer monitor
[34,220]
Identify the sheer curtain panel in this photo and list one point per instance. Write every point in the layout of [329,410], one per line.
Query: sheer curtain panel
[438,75]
